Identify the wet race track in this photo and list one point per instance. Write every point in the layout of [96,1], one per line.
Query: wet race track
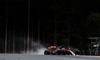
[45,57]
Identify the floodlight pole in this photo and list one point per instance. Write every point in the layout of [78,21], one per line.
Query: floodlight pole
[6,32]
[6,37]
[28,40]
[38,32]
[13,40]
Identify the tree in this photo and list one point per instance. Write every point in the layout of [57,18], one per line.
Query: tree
[94,24]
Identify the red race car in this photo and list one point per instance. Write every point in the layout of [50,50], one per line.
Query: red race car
[60,50]
[54,50]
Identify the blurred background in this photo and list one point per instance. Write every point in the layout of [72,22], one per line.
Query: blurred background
[48,22]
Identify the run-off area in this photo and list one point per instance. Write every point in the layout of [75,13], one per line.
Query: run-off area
[45,57]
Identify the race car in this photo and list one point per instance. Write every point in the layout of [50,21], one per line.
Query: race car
[51,50]
[54,50]
[60,50]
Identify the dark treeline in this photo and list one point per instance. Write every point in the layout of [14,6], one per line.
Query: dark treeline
[74,20]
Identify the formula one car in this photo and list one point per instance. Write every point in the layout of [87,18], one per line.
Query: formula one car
[60,50]
[51,50]
[54,50]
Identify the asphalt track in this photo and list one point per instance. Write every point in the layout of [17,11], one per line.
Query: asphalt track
[45,57]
